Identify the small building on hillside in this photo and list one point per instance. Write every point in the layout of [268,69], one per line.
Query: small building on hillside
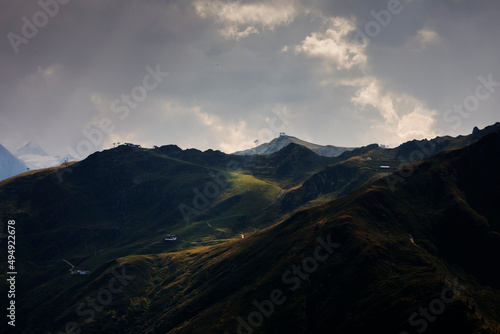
[131,145]
[81,272]
[171,237]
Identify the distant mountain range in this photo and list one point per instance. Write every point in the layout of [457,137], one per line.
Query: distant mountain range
[287,242]
[283,140]
[32,156]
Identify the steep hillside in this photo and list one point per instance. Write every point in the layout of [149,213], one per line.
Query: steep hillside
[336,180]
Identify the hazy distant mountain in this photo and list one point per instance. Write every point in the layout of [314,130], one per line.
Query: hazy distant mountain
[9,164]
[34,161]
[67,157]
[30,148]
[35,157]
[278,143]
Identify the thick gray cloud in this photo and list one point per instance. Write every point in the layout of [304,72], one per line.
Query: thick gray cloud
[244,70]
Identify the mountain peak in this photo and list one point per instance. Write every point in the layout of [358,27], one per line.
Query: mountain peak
[284,140]
[31,148]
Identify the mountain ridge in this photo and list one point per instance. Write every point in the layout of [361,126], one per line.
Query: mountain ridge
[361,165]
[283,140]
[31,148]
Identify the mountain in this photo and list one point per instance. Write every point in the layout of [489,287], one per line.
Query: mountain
[35,157]
[283,140]
[407,249]
[9,164]
[66,158]
[34,161]
[31,148]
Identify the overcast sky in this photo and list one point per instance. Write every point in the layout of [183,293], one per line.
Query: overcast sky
[324,71]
